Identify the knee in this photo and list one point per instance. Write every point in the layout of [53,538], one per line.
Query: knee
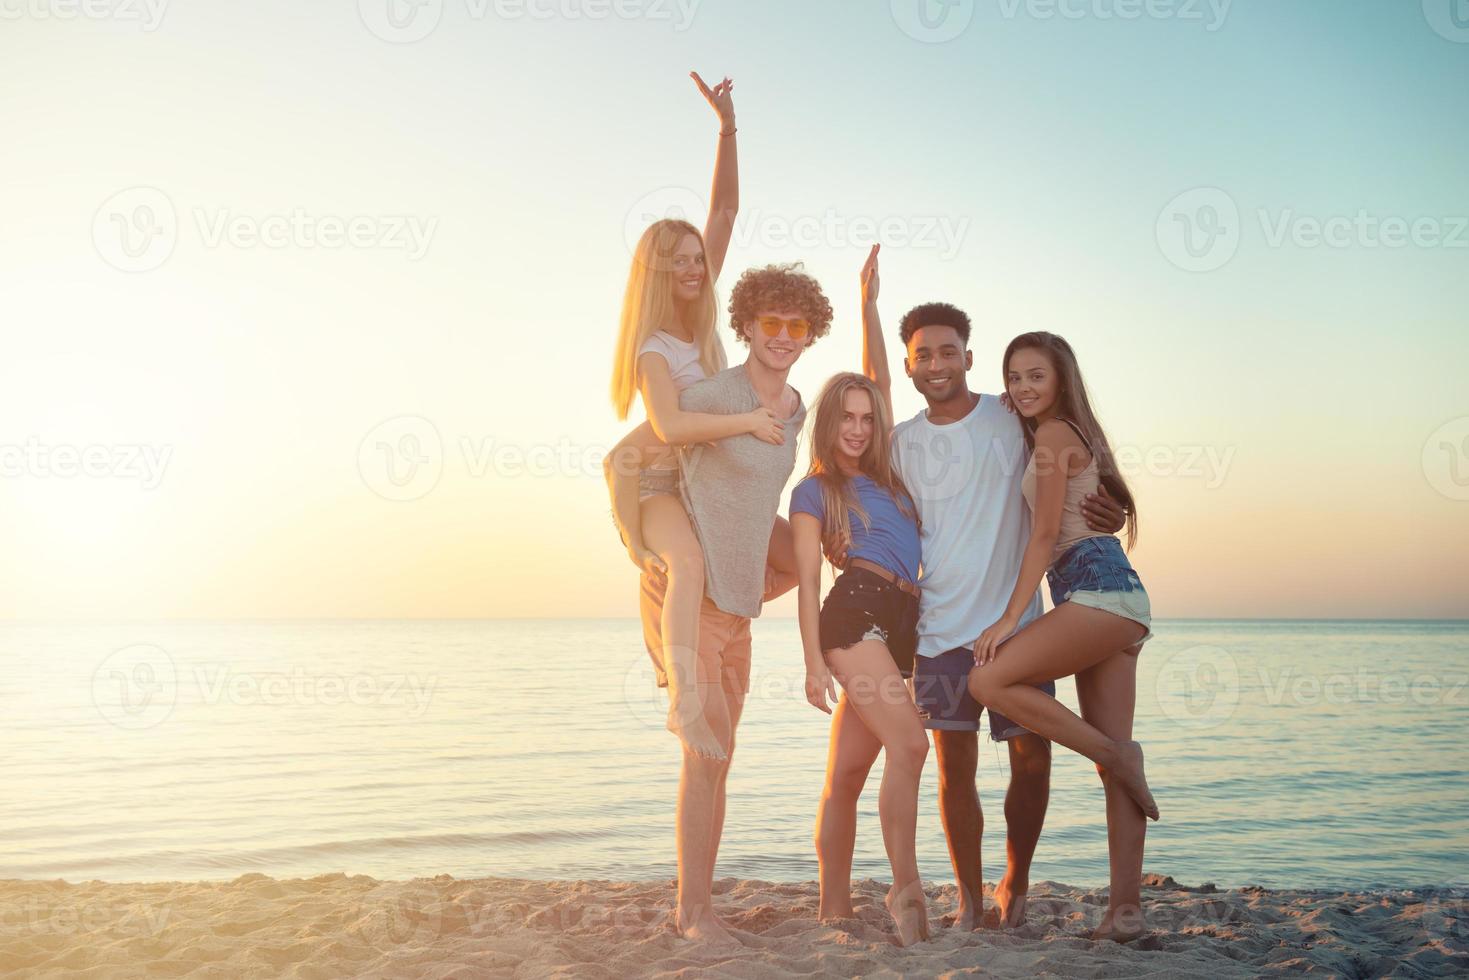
[845,782]
[908,752]
[982,686]
[1030,758]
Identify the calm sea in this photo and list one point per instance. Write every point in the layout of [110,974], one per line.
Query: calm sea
[1309,754]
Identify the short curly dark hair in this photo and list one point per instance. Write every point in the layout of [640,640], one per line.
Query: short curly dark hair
[934,315]
[778,287]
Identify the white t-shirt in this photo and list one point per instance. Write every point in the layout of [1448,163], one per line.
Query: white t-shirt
[682,357]
[965,478]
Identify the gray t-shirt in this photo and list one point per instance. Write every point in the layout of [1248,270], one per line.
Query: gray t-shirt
[732,491]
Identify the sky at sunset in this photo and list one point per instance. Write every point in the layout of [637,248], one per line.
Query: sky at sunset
[308,309]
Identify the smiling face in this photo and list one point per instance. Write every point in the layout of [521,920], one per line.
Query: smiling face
[688,269]
[1032,382]
[777,353]
[937,363]
[855,432]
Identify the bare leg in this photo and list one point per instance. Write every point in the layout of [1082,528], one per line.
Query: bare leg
[697,817]
[1065,641]
[876,690]
[667,532]
[1107,693]
[849,758]
[958,756]
[1025,815]
[734,681]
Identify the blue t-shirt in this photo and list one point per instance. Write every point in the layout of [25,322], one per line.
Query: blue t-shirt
[891,541]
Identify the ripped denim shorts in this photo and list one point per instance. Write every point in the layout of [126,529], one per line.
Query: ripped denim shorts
[862,605]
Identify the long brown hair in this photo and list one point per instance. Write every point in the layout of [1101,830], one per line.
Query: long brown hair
[1073,404]
[648,306]
[876,462]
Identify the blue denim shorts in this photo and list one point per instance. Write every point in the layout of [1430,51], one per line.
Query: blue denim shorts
[1095,572]
[941,691]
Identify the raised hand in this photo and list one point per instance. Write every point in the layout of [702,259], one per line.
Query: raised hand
[720,99]
[870,279]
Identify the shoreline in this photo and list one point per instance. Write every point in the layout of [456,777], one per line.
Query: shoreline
[337,925]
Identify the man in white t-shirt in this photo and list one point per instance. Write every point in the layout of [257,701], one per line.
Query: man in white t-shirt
[962,460]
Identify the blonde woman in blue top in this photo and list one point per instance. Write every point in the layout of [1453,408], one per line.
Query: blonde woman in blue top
[853,507]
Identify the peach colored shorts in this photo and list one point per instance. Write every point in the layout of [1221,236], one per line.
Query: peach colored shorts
[724,639]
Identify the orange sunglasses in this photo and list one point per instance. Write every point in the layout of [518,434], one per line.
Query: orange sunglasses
[797,329]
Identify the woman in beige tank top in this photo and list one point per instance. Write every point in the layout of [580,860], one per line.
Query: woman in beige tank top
[1100,618]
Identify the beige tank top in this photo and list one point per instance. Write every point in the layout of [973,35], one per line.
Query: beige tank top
[1073,523]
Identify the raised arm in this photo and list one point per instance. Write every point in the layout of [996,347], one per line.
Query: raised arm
[874,354]
[677,427]
[1056,446]
[806,532]
[724,198]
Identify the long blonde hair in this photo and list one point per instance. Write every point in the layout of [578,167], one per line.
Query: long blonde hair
[648,306]
[876,462]
[1073,403]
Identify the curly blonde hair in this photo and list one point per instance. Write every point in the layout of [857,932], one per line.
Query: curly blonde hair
[778,287]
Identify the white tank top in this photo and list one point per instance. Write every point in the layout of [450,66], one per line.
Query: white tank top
[1073,523]
[682,357]
[683,363]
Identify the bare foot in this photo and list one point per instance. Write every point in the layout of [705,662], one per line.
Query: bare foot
[909,912]
[704,927]
[1129,772]
[1121,925]
[686,720]
[837,910]
[1010,898]
[962,918]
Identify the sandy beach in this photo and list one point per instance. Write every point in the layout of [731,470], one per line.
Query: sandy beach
[334,926]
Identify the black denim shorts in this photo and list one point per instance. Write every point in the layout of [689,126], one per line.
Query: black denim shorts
[862,605]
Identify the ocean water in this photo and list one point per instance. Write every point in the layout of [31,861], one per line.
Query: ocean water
[1286,754]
